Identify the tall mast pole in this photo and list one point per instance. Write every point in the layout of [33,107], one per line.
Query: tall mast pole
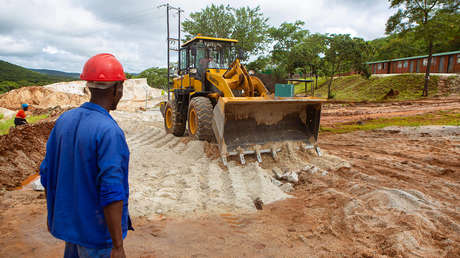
[178,42]
[167,39]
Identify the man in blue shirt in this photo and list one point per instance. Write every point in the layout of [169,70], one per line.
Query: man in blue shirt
[85,170]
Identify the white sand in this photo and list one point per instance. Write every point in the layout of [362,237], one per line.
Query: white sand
[133,89]
[73,87]
[173,176]
[7,114]
[168,176]
[136,93]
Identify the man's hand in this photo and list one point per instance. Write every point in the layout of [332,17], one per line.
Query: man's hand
[118,252]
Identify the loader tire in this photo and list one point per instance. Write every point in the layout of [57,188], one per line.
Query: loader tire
[200,119]
[174,121]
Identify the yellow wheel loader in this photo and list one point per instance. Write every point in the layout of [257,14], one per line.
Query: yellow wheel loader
[215,97]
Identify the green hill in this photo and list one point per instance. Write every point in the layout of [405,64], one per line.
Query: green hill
[14,76]
[56,73]
[357,88]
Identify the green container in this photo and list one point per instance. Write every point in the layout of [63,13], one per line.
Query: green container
[284,90]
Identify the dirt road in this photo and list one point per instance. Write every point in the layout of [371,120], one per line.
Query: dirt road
[392,192]
[353,112]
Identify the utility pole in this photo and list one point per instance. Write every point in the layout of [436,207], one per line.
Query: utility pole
[174,40]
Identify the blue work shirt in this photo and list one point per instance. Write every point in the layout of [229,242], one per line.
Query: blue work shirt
[85,169]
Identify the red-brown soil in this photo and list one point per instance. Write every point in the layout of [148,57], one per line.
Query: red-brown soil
[358,111]
[399,198]
[21,152]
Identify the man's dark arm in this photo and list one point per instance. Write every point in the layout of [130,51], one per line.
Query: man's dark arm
[47,223]
[113,213]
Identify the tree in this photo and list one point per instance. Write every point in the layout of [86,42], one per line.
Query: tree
[156,77]
[285,38]
[343,54]
[248,26]
[259,64]
[397,46]
[307,54]
[431,20]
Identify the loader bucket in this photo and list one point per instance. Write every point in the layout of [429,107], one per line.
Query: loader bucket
[258,125]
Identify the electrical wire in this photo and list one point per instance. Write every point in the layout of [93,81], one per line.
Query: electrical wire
[129,14]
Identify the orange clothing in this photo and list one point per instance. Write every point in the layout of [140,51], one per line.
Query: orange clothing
[21,114]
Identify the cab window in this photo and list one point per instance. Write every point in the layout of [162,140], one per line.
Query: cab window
[183,59]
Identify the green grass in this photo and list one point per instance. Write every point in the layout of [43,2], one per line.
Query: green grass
[6,124]
[357,88]
[299,87]
[448,117]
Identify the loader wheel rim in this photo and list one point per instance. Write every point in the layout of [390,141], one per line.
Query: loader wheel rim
[192,121]
[168,118]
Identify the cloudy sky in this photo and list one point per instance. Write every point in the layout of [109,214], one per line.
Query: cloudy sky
[63,34]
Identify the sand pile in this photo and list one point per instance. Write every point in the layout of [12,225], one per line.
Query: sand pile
[174,175]
[73,94]
[40,97]
[73,87]
[21,153]
[169,175]
[133,89]
[138,94]
[138,89]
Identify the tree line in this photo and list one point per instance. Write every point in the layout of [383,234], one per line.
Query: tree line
[419,27]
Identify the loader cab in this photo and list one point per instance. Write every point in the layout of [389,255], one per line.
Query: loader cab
[203,53]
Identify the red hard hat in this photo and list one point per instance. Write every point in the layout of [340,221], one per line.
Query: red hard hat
[103,67]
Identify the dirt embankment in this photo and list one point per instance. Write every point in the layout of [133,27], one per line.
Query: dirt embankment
[40,97]
[21,153]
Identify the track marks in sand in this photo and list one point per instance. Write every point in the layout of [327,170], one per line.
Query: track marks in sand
[145,138]
[173,176]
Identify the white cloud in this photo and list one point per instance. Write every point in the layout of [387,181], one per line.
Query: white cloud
[10,46]
[63,34]
[50,50]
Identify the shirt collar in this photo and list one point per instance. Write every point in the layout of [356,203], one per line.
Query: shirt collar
[96,107]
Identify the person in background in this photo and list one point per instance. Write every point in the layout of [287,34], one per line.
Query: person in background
[85,170]
[212,63]
[20,118]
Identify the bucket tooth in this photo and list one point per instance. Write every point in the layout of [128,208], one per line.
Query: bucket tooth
[308,146]
[274,155]
[224,160]
[259,157]
[318,151]
[242,160]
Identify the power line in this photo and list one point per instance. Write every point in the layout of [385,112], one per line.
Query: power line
[133,20]
[130,13]
[169,39]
